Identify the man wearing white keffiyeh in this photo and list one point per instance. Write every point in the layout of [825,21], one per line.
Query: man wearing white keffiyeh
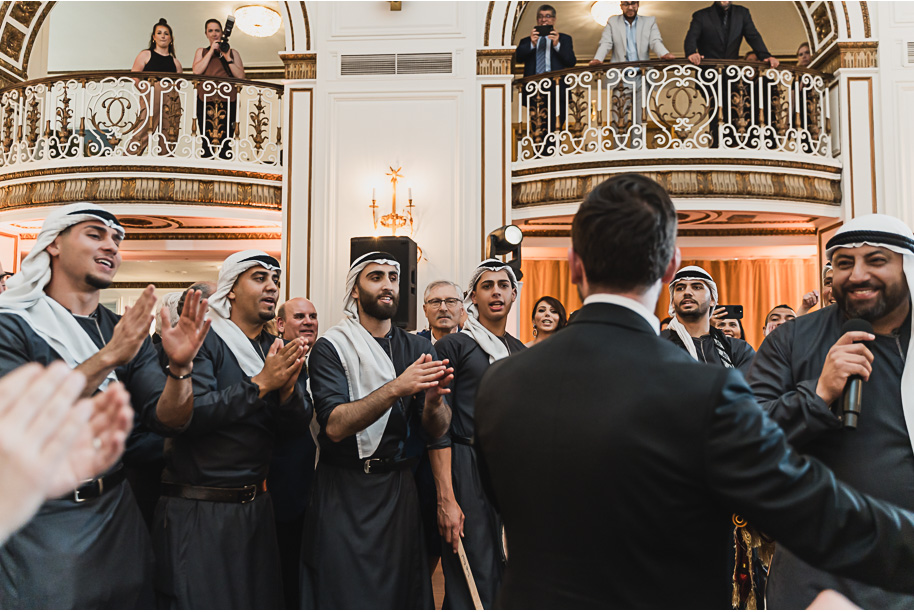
[248,392]
[363,545]
[801,372]
[50,312]
[464,511]
[693,296]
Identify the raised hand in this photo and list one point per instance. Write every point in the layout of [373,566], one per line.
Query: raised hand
[422,374]
[844,359]
[182,342]
[718,316]
[131,330]
[281,363]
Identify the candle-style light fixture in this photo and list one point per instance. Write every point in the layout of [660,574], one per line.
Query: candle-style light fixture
[394,220]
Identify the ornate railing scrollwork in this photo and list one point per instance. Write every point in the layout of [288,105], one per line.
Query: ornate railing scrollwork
[137,118]
[616,109]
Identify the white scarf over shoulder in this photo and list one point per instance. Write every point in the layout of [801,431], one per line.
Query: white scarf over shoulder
[25,294]
[487,341]
[220,308]
[366,365]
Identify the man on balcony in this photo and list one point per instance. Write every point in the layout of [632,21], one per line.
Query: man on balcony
[631,38]
[545,50]
[716,32]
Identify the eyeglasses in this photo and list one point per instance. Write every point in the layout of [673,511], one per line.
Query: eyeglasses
[449,302]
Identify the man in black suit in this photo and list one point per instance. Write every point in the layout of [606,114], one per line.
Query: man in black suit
[542,54]
[716,32]
[616,460]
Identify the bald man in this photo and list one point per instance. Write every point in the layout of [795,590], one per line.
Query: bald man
[296,318]
[294,459]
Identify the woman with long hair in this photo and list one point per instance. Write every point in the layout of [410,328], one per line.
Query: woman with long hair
[548,318]
[166,102]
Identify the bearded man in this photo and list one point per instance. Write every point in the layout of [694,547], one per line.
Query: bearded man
[801,372]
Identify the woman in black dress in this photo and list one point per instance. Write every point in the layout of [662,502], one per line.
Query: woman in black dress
[165,118]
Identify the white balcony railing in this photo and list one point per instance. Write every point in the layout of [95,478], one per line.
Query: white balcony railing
[660,109]
[140,118]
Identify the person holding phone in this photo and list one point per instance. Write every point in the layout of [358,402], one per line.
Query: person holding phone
[546,50]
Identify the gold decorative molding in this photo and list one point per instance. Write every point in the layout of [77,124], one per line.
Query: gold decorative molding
[118,190]
[159,285]
[494,61]
[485,39]
[864,9]
[689,184]
[188,236]
[20,23]
[137,169]
[679,161]
[300,65]
[861,54]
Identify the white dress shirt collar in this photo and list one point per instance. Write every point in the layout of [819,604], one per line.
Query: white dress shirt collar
[619,300]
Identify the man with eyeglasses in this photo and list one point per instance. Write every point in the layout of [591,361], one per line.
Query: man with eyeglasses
[443,306]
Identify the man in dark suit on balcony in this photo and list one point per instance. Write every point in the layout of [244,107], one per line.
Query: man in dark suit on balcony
[601,493]
[542,54]
[716,32]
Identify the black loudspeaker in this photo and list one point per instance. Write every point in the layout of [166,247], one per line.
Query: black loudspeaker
[405,251]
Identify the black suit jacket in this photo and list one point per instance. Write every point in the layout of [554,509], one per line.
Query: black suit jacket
[563,58]
[706,35]
[616,462]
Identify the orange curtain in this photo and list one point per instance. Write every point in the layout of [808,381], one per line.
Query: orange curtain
[758,285]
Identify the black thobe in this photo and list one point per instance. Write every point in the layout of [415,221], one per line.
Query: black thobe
[363,545]
[215,554]
[876,458]
[94,554]
[741,352]
[482,526]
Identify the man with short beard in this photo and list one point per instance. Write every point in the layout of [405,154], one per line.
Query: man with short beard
[801,372]
[693,296]
[363,545]
[90,548]
[464,511]
[214,532]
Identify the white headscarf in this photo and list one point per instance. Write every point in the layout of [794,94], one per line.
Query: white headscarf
[366,365]
[689,273]
[220,308]
[25,294]
[892,234]
[487,341]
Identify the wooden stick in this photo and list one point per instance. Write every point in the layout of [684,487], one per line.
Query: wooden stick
[468,573]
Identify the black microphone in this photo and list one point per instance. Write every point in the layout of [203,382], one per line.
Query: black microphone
[853,391]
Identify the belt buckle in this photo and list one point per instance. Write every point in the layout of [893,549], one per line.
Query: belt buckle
[368,464]
[252,489]
[76,494]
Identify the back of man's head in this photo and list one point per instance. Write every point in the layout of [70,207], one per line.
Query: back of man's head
[625,233]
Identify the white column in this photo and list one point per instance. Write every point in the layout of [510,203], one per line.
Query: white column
[297,204]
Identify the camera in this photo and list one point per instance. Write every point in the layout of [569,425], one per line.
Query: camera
[226,32]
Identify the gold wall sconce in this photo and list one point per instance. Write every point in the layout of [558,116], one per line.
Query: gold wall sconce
[393,221]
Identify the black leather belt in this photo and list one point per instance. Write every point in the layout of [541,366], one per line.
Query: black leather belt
[93,489]
[229,495]
[371,466]
[465,441]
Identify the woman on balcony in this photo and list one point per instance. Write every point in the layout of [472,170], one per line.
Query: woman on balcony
[159,57]
[216,102]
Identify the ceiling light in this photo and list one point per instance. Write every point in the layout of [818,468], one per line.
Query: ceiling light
[601,11]
[256,20]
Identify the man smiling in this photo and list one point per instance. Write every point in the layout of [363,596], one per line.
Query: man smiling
[802,369]
[90,548]
[362,545]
